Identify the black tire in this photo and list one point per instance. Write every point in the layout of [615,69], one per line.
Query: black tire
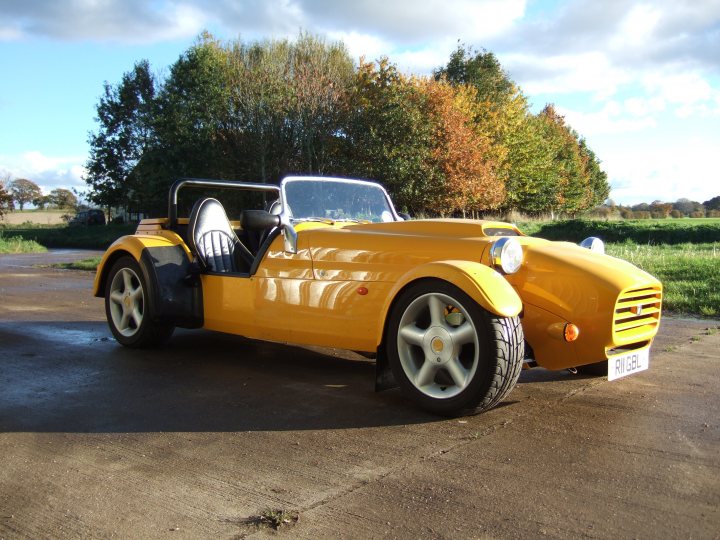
[128,310]
[462,359]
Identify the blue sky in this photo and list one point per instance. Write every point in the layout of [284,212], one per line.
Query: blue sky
[639,79]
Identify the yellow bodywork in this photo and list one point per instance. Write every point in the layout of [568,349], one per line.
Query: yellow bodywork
[339,288]
[312,297]
[148,235]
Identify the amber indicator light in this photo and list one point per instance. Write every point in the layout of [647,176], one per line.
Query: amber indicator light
[362,291]
[571,332]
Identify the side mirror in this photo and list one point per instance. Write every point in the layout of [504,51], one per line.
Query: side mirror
[406,217]
[288,231]
[291,240]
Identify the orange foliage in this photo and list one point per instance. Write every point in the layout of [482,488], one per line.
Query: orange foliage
[460,152]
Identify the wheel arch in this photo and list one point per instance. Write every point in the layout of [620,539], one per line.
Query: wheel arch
[483,284]
[132,245]
[175,297]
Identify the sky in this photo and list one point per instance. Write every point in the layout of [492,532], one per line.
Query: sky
[640,80]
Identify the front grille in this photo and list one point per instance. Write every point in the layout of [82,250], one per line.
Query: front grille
[637,314]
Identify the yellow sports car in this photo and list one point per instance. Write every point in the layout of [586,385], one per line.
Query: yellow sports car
[453,309]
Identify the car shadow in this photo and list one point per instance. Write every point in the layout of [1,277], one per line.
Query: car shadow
[74,377]
[542,375]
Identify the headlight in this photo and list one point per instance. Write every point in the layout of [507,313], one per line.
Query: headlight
[507,255]
[593,244]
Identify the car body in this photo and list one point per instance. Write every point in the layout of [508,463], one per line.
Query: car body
[452,308]
[88,217]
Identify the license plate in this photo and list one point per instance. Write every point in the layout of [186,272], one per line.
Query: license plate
[628,363]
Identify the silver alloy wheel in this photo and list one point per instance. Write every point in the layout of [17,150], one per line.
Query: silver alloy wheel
[127,302]
[438,345]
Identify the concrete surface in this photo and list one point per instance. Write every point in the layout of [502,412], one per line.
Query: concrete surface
[201,437]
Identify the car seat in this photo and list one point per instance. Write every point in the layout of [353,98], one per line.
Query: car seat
[213,240]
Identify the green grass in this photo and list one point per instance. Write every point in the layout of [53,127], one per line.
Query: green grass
[83,264]
[18,245]
[690,273]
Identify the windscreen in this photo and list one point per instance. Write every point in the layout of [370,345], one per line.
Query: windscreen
[337,200]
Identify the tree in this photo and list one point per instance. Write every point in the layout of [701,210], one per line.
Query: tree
[480,69]
[463,141]
[63,198]
[460,152]
[684,206]
[6,201]
[289,105]
[389,136]
[24,191]
[124,112]
[544,164]
[500,115]
[599,188]
[41,202]
[659,209]
[712,204]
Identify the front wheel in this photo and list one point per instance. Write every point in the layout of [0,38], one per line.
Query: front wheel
[127,308]
[450,355]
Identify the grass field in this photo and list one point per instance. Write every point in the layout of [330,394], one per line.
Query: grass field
[690,273]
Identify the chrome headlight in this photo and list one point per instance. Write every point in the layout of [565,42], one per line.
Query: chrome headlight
[593,244]
[507,255]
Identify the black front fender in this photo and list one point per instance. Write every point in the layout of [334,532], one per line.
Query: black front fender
[175,297]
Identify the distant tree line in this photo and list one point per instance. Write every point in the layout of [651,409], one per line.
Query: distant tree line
[22,192]
[682,208]
[461,142]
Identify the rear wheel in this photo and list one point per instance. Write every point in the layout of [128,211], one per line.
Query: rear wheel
[127,308]
[449,354]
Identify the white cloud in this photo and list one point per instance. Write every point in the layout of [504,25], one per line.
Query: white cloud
[608,120]
[49,172]
[590,72]
[128,21]
[680,87]
[411,22]
[405,23]
[637,28]
[656,167]
[367,45]
[9,33]
[642,106]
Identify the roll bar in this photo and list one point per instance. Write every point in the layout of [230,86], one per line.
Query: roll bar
[205,182]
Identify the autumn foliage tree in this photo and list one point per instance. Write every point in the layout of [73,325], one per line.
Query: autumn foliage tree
[62,198]
[545,166]
[24,191]
[388,137]
[462,142]
[6,201]
[461,153]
